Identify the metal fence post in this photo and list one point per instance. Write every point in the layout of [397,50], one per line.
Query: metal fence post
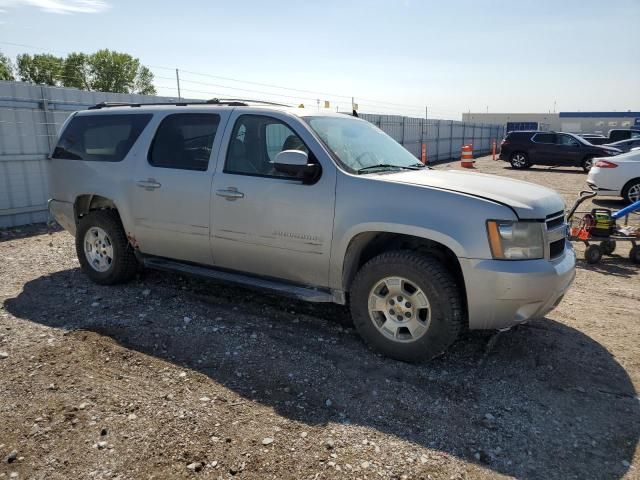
[403,126]
[48,118]
[438,142]
[450,134]
[464,131]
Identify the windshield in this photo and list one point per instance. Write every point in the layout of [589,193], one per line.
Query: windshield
[360,146]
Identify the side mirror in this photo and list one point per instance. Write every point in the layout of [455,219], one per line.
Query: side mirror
[296,164]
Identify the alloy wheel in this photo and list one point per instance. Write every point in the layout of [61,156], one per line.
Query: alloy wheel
[98,249]
[399,309]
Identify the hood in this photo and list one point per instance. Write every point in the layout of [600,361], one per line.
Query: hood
[608,148]
[528,200]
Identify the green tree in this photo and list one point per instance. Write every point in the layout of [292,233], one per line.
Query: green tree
[107,71]
[40,68]
[76,72]
[6,68]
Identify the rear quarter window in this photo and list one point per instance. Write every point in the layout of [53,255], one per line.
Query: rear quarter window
[544,138]
[100,138]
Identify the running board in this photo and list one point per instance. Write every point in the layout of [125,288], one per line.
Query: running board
[307,294]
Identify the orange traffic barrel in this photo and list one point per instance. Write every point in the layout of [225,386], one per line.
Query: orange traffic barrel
[466,158]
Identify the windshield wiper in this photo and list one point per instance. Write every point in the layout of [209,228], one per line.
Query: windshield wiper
[384,166]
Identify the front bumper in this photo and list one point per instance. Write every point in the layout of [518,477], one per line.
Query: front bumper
[501,294]
[64,214]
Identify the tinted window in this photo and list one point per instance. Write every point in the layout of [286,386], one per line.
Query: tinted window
[544,138]
[101,138]
[255,142]
[567,140]
[184,141]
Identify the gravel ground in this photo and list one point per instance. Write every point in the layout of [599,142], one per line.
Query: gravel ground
[169,377]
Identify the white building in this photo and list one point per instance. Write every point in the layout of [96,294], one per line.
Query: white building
[575,122]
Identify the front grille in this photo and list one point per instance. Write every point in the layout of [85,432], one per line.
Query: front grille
[556,234]
[556,248]
[555,220]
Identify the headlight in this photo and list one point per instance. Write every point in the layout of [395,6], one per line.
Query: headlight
[516,240]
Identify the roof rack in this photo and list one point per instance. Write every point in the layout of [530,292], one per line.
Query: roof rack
[245,101]
[232,102]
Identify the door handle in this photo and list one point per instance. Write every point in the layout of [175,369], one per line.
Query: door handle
[230,193]
[149,184]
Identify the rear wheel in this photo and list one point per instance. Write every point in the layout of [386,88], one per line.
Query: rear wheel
[634,254]
[631,191]
[587,163]
[406,305]
[519,160]
[608,247]
[103,250]
[593,254]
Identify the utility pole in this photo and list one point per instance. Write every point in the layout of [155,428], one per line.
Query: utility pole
[487,108]
[554,106]
[318,103]
[178,83]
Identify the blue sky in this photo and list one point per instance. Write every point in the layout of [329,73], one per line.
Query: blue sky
[392,56]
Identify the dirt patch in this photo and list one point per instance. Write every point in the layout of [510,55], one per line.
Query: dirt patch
[168,377]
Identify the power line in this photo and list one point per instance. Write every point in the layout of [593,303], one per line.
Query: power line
[364,101]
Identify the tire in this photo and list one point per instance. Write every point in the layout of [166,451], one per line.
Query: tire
[113,257]
[519,160]
[586,164]
[631,191]
[634,254]
[608,247]
[593,254]
[426,281]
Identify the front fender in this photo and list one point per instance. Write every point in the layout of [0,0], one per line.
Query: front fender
[339,251]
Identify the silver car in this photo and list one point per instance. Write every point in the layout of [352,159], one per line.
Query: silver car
[319,206]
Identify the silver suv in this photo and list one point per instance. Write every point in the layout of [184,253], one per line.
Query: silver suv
[320,206]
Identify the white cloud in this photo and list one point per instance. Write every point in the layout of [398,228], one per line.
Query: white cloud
[63,7]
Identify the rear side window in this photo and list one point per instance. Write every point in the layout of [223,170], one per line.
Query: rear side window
[184,141]
[544,138]
[100,138]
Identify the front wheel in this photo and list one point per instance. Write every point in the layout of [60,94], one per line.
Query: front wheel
[519,160]
[406,305]
[103,250]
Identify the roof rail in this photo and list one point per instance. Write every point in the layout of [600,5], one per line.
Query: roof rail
[100,105]
[232,102]
[244,101]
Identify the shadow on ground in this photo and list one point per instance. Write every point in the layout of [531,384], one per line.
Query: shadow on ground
[546,402]
[614,264]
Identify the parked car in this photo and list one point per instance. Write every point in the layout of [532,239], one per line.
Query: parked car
[594,138]
[625,145]
[319,206]
[618,134]
[526,148]
[618,177]
[614,135]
